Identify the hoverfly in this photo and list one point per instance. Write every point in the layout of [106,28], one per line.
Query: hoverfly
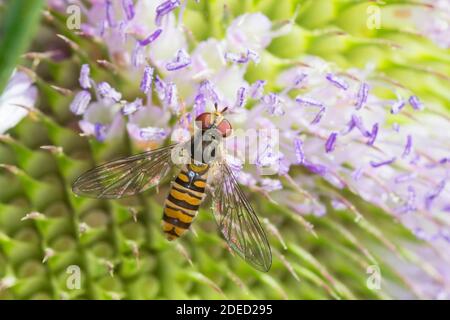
[234,214]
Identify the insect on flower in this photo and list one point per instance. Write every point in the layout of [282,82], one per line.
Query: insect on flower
[202,168]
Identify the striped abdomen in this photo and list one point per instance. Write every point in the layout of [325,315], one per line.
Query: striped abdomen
[186,194]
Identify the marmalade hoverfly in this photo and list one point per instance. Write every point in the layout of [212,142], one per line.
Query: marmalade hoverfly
[233,212]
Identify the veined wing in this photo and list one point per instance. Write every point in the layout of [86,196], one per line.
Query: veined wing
[125,176]
[238,222]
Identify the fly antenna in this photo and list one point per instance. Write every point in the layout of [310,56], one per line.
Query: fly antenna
[215,106]
[224,110]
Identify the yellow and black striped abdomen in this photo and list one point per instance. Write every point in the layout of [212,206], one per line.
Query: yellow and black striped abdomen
[184,199]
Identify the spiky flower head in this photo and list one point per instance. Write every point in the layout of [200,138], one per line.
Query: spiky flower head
[335,137]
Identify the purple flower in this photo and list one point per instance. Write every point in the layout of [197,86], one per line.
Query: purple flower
[131,107]
[415,103]
[373,135]
[128,9]
[160,88]
[305,101]
[408,146]
[357,122]
[199,104]
[80,102]
[182,60]
[433,194]
[146,82]
[241,97]
[315,168]
[382,163]
[331,142]
[362,96]
[110,19]
[208,91]
[299,79]
[85,80]
[410,202]
[257,89]
[107,92]
[273,104]
[152,37]
[299,153]
[338,82]
[172,97]
[397,106]
[242,58]
[165,8]
[318,116]
[100,131]
[138,55]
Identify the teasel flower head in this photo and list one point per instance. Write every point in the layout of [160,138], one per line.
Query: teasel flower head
[338,143]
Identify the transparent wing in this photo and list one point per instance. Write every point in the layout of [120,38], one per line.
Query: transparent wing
[126,176]
[237,220]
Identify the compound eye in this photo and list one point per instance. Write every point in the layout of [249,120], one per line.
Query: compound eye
[225,128]
[205,120]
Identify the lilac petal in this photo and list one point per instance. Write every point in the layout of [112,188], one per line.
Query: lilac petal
[361,98]
[318,116]
[415,103]
[110,19]
[146,82]
[106,91]
[397,106]
[382,163]
[373,135]
[433,194]
[331,142]
[100,131]
[257,89]
[305,101]
[132,107]
[128,9]
[164,9]
[80,102]
[153,133]
[338,82]
[241,97]
[299,153]
[85,80]
[152,37]
[408,146]
[182,60]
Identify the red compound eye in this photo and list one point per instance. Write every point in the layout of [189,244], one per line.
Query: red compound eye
[205,119]
[225,128]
